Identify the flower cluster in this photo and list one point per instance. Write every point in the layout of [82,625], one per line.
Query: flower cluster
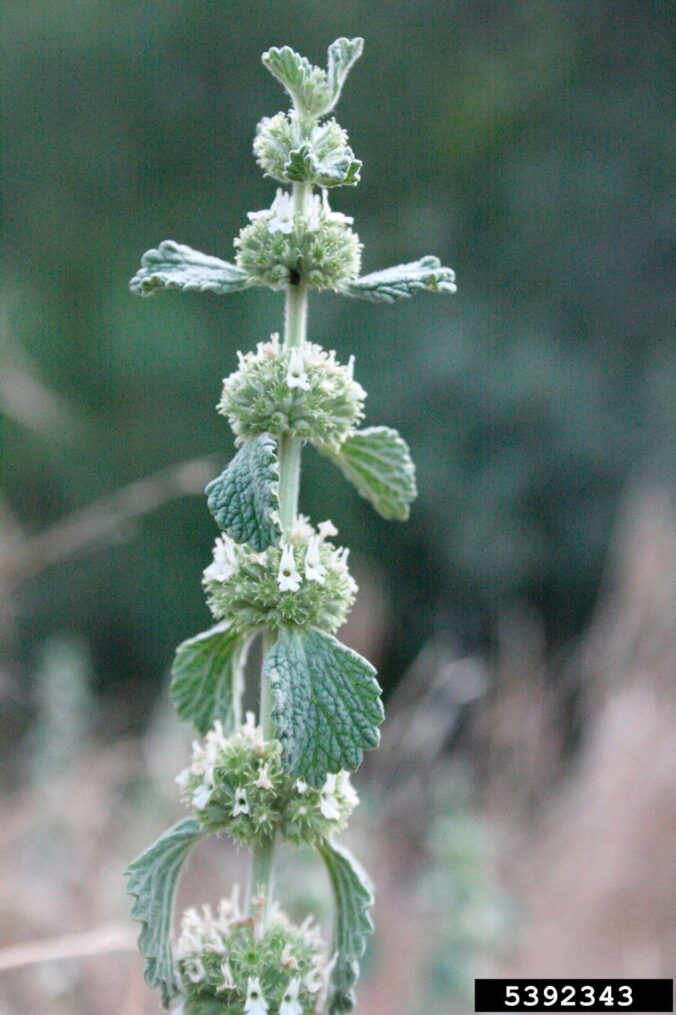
[236,784]
[279,247]
[304,582]
[292,149]
[229,963]
[304,393]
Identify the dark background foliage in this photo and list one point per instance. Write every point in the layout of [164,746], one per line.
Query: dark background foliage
[527,144]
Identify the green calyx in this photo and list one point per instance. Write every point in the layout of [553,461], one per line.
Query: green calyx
[305,393]
[228,962]
[293,150]
[280,247]
[236,784]
[303,583]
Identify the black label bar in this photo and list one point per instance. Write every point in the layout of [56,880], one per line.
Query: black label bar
[523,996]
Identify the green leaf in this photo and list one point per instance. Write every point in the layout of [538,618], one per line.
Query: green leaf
[174,266]
[341,171]
[352,923]
[326,703]
[244,498]
[153,879]
[313,91]
[343,54]
[377,460]
[402,281]
[207,678]
[307,85]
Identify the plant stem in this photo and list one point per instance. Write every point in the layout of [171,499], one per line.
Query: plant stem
[288,457]
[261,878]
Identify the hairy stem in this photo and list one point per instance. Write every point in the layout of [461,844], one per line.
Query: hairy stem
[288,455]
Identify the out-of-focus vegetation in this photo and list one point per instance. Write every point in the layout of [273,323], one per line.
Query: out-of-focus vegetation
[527,144]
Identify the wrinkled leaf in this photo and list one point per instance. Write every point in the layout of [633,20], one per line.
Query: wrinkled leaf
[326,703]
[303,165]
[343,54]
[313,91]
[402,281]
[153,879]
[244,498]
[377,460]
[175,266]
[352,923]
[207,678]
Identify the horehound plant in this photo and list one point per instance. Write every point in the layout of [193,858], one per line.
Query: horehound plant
[283,776]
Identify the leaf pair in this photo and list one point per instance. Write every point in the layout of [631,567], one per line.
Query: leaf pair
[314,91]
[176,266]
[244,498]
[153,880]
[304,165]
[326,699]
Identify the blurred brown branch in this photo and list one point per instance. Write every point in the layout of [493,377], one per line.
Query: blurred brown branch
[111,938]
[102,520]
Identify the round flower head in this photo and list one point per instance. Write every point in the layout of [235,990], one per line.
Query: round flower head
[229,963]
[305,393]
[296,150]
[279,247]
[304,582]
[236,784]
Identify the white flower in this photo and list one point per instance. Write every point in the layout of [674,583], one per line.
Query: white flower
[280,218]
[228,982]
[301,529]
[288,578]
[241,802]
[301,786]
[194,969]
[183,778]
[333,216]
[327,529]
[314,980]
[296,376]
[249,727]
[328,802]
[288,960]
[271,348]
[349,369]
[259,558]
[340,560]
[347,789]
[314,569]
[255,1002]
[202,796]
[263,781]
[224,564]
[290,1004]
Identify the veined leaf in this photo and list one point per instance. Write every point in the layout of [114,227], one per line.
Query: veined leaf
[313,91]
[352,923]
[175,266]
[303,164]
[343,54]
[307,85]
[207,678]
[153,879]
[402,281]
[244,498]
[377,460]
[326,703]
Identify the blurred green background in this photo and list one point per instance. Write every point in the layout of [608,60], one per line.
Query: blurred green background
[527,144]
